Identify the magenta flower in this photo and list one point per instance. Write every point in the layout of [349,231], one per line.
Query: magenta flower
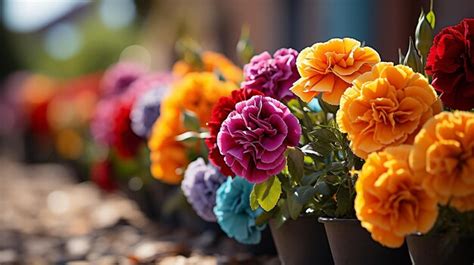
[101,124]
[254,137]
[120,76]
[273,76]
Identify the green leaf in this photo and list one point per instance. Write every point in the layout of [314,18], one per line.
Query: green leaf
[343,200]
[264,217]
[281,214]
[245,49]
[337,167]
[295,163]
[304,194]
[331,179]
[219,75]
[253,199]
[328,207]
[401,57]
[322,189]
[424,36]
[412,58]
[324,135]
[190,51]
[431,19]
[191,121]
[294,106]
[312,178]
[188,137]
[268,193]
[294,206]
[308,150]
[321,148]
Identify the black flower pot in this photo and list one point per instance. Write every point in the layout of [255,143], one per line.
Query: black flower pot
[432,250]
[266,246]
[301,241]
[351,244]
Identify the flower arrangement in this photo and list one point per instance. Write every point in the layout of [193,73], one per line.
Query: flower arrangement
[378,148]
[435,165]
[131,97]
[330,131]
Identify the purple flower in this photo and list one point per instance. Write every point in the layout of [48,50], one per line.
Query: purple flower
[200,185]
[273,76]
[255,135]
[118,78]
[146,109]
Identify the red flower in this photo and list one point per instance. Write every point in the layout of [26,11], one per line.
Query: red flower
[451,63]
[124,140]
[220,111]
[102,176]
[111,125]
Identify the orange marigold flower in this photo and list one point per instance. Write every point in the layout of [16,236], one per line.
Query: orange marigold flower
[330,67]
[196,92]
[212,61]
[390,203]
[385,107]
[443,158]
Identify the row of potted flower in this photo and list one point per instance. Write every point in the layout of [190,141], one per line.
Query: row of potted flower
[381,149]
[330,132]
[346,157]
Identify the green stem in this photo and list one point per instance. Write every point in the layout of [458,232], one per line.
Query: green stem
[306,120]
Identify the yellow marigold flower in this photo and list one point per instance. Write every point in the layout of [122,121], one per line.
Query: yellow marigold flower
[386,107]
[212,61]
[390,203]
[196,92]
[330,67]
[443,158]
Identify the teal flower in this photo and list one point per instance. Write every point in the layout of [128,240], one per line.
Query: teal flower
[233,211]
[314,105]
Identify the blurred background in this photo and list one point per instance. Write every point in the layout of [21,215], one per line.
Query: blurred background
[64,39]
[66,45]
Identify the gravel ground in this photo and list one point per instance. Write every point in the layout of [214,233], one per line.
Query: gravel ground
[47,218]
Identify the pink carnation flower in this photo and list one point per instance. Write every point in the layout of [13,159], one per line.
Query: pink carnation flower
[254,137]
[274,76]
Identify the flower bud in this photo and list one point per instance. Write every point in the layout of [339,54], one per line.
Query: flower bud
[424,33]
[401,57]
[245,49]
[190,52]
[412,58]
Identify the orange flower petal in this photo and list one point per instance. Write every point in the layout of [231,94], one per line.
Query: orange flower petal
[443,160]
[385,105]
[324,66]
[401,206]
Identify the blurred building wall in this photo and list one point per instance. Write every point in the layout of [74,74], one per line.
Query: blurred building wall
[384,25]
